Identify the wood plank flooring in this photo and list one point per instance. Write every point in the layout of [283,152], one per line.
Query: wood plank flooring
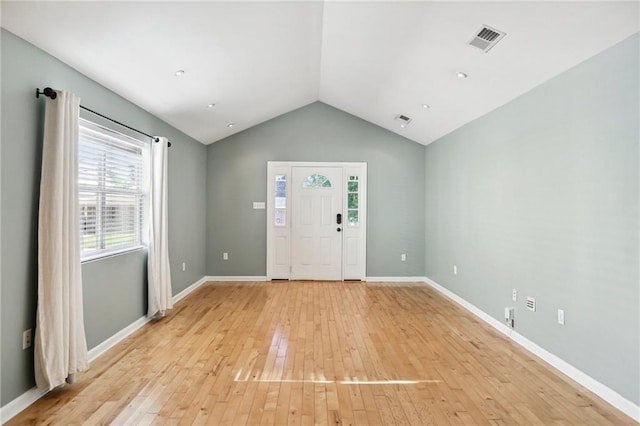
[280,353]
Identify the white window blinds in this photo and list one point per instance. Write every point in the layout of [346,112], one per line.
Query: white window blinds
[112,188]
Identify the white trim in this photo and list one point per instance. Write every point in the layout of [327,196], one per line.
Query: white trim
[282,271]
[108,254]
[314,163]
[13,408]
[502,328]
[612,397]
[249,278]
[117,338]
[137,324]
[396,279]
[189,290]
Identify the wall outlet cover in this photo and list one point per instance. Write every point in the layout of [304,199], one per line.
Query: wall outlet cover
[509,316]
[26,339]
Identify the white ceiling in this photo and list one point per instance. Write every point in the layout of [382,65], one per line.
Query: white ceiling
[258,60]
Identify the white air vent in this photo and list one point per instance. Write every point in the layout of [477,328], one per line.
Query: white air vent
[404,120]
[486,37]
[531,304]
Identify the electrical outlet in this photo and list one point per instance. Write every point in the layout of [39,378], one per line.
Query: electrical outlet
[514,295]
[509,316]
[184,266]
[403,257]
[455,269]
[561,316]
[225,256]
[26,339]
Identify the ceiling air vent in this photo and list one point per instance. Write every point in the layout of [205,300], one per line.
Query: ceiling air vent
[486,37]
[404,120]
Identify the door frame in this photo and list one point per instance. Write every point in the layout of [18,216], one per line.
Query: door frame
[349,234]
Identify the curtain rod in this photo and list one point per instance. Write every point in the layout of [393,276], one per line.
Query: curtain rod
[50,93]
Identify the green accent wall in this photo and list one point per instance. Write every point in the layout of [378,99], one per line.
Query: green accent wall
[541,195]
[114,288]
[237,176]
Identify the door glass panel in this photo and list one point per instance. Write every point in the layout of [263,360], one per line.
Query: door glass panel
[316,181]
[280,216]
[352,201]
[353,194]
[352,217]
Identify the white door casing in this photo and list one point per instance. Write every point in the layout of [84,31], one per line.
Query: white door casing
[302,237]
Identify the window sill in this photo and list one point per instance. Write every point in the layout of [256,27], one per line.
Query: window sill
[100,256]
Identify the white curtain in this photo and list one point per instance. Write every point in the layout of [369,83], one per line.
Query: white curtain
[60,343]
[158,271]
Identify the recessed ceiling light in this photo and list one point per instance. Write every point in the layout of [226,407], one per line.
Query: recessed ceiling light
[426,106]
[230,125]
[179,73]
[403,125]
[211,105]
[462,74]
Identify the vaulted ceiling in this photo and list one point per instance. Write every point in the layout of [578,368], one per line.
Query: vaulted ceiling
[375,60]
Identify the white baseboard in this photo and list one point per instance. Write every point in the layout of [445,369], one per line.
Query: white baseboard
[396,279]
[249,278]
[117,338]
[14,407]
[189,289]
[137,324]
[612,397]
[502,328]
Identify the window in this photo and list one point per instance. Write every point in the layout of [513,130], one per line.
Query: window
[352,201]
[280,217]
[316,181]
[112,184]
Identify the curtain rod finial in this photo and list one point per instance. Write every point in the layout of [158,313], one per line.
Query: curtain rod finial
[48,92]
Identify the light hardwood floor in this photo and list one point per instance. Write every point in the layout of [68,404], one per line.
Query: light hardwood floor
[319,352]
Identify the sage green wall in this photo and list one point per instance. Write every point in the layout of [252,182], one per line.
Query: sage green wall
[541,195]
[114,288]
[237,170]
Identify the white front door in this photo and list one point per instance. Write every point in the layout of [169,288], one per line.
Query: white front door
[316,235]
[303,201]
